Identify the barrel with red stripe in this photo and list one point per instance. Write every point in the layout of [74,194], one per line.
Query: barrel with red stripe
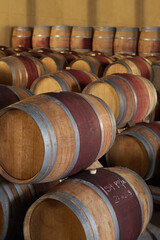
[63,133]
[92,206]
[12,94]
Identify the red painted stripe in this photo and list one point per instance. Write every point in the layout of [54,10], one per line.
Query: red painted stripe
[31,69]
[88,127]
[142,95]
[7,97]
[122,198]
[82,78]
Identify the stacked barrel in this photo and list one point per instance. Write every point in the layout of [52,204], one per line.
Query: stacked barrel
[66,102]
[143,41]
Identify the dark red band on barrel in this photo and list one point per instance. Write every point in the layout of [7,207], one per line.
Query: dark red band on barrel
[103,61]
[81,43]
[25,42]
[142,66]
[143,100]
[37,54]
[88,127]
[155,126]
[82,78]
[122,199]
[69,57]
[40,42]
[31,69]
[7,97]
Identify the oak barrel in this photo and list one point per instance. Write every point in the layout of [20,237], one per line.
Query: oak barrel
[137,148]
[112,94]
[41,36]
[20,70]
[55,142]
[128,105]
[92,206]
[149,41]
[126,40]
[60,81]
[114,90]
[60,37]
[22,37]
[143,103]
[88,64]
[135,65]
[103,38]
[81,39]
[12,94]
[54,62]
[82,77]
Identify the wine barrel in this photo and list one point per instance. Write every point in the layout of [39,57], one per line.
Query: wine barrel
[104,61]
[22,37]
[60,38]
[112,94]
[68,56]
[149,41]
[82,77]
[55,142]
[143,94]
[12,94]
[103,38]
[143,65]
[63,80]
[115,94]
[103,54]
[126,40]
[136,65]
[128,106]
[152,94]
[153,59]
[88,64]
[81,39]
[60,81]
[54,62]
[15,199]
[31,67]
[77,205]
[20,70]
[41,36]
[137,148]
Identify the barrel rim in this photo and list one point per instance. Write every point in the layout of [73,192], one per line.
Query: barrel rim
[104,28]
[22,28]
[127,29]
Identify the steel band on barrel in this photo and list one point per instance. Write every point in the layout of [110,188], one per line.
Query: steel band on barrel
[47,135]
[149,149]
[106,201]
[6,194]
[75,128]
[60,81]
[122,100]
[133,91]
